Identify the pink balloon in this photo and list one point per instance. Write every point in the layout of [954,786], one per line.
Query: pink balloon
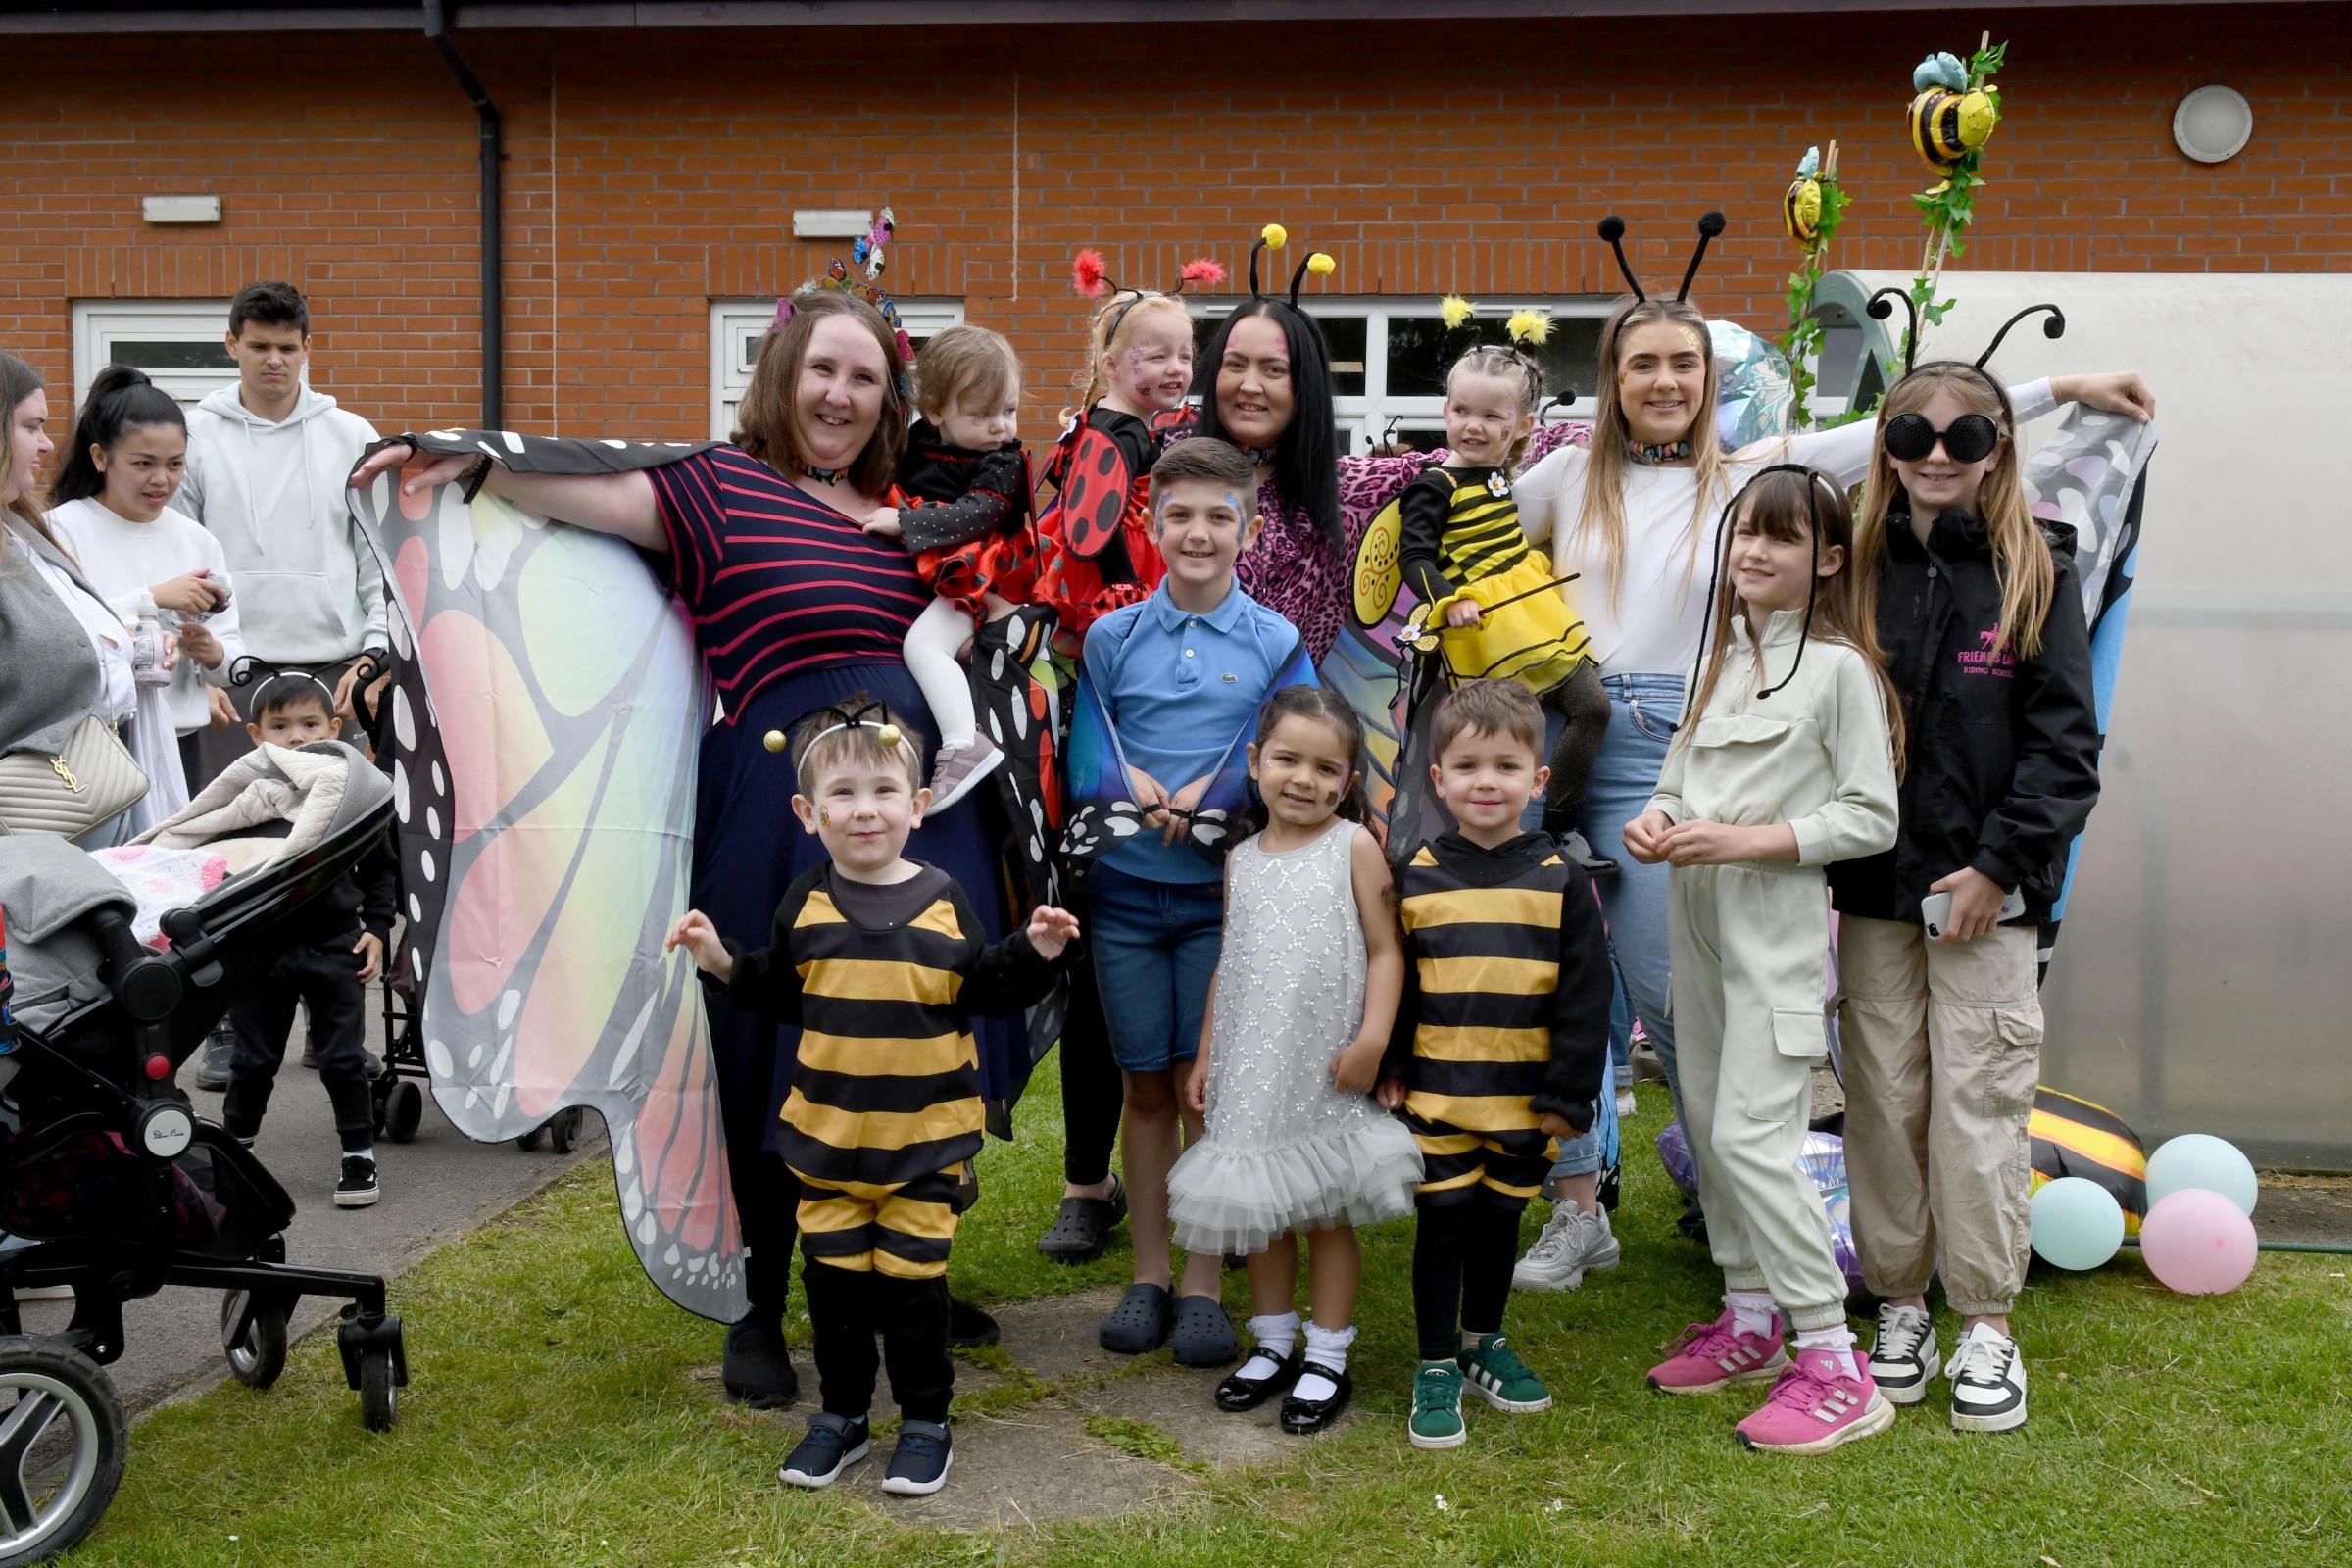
[2199,1242]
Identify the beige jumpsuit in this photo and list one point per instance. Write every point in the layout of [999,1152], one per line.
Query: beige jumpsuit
[1751,943]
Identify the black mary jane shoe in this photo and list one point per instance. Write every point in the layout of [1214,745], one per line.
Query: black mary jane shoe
[1303,1417]
[1239,1392]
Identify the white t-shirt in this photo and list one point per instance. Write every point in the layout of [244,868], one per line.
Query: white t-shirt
[1656,624]
[123,559]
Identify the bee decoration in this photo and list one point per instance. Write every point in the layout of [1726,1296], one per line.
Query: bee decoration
[1947,125]
[1801,208]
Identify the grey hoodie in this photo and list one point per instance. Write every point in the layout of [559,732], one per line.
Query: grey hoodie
[310,591]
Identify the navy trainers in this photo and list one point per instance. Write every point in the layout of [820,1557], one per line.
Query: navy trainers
[834,1444]
[918,1466]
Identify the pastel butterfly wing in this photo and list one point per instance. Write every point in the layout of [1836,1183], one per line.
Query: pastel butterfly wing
[543,783]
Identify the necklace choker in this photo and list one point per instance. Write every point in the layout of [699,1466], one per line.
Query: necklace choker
[1259,457]
[1655,451]
[823,476]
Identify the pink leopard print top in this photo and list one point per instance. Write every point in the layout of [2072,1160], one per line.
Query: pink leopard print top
[1293,574]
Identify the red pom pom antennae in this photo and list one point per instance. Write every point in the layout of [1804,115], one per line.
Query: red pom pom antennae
[1089,274]
[1202,272]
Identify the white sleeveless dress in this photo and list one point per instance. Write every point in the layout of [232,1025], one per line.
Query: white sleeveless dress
[1286,1150]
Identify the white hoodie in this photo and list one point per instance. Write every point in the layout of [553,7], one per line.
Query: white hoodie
[125,559]
[310,591]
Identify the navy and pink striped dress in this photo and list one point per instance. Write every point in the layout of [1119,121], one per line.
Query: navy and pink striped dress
[796,608]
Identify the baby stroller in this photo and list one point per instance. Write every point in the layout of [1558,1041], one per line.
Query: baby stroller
[400,1088]
[110,1184]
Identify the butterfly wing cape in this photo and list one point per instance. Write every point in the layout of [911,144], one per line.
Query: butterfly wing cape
[543,733]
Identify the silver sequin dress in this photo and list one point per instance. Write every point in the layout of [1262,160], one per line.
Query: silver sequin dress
[1286,1150]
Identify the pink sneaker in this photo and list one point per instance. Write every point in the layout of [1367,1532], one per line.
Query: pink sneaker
[1824,1398]
[1715,1355]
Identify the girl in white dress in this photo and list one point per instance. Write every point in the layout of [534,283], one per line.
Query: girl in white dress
[1306,994]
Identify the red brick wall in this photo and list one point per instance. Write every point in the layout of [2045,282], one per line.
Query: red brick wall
[651,171]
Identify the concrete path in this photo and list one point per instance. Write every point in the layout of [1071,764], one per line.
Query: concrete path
[435,1190]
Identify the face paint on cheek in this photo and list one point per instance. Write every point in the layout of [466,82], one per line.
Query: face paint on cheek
[825,816]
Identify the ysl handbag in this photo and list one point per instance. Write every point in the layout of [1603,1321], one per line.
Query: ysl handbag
[93,780]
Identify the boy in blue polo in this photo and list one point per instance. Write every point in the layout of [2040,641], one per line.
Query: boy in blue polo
[1170,693]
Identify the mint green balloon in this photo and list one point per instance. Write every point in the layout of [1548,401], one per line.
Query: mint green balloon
[2202,1162]
[2076,1223]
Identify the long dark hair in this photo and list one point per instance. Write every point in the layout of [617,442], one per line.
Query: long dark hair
[1307,458]
[1324,708]
[122,400]
[18,381]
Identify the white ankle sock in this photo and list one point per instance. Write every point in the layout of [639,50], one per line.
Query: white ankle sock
[1325,1348]
[1277,1337]
[1751,1310]
[1838,1338]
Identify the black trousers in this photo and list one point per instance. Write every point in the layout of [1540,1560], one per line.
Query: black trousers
[1093,1095]
[324,978]
[847,1309]
[1463,1255]
[1583,705]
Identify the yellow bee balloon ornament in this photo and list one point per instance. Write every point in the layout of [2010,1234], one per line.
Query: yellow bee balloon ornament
[1946,126]
[1801,208]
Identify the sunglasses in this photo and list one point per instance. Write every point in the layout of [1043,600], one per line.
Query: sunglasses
[1971,438]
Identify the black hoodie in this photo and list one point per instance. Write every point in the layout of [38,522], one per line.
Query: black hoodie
[2002,752]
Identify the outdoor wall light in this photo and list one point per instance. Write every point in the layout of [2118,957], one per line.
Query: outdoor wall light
[2212,125]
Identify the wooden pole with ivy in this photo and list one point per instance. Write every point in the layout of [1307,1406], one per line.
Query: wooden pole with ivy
[1956,111]
[1811,211]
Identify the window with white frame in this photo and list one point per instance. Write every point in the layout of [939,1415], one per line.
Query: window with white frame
[738,326]
[1389,359]
[181,344]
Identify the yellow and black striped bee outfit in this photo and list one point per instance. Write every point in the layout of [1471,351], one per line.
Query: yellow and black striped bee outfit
[1505,1019]
[1460,538]
[885,1114]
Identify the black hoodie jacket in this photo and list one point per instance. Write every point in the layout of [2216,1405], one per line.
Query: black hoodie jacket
[2002,752]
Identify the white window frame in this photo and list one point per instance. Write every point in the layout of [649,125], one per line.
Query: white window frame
[738,326]
[99,325]
[1365,418]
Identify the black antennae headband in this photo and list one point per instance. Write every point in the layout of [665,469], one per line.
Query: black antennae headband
[1612,229]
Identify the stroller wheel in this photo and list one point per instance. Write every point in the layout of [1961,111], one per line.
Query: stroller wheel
[403,1111]
[61,1441]
[379,1394]
[564,1131]
[258,1356]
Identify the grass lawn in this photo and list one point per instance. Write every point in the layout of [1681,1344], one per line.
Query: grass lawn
[561,1412]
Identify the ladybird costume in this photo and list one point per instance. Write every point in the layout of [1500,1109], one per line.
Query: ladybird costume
[964,514]
[1097,531]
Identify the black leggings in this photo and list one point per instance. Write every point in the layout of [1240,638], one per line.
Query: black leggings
[847,1308]
[1582,704]
[1091,1092]
[1463,1253]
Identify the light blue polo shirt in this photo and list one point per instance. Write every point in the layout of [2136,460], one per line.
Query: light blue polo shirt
[1180,688]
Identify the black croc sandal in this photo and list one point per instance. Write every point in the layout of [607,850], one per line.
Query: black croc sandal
[1083,1227]
[1300,1417]
[1239,1391]
[1203,1335]
[1139,1324]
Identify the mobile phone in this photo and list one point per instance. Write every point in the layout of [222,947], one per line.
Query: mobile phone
[1936,911]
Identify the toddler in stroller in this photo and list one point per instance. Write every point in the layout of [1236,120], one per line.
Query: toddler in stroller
[108,1183]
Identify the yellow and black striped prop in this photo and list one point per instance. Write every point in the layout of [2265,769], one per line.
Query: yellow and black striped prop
[1946,126]
[2075,1138]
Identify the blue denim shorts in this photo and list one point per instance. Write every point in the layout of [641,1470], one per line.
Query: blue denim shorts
[1155,955]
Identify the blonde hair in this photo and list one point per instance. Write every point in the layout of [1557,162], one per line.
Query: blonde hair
[1112,328]
[964,364]
[764,423]
[823,744]
[2021,555]
[1600,525]
[1795,508]
[1507,363]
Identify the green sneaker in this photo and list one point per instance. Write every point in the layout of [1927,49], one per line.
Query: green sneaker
[1437,1406]
[1499,1377]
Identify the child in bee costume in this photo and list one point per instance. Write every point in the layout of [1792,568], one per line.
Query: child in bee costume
[1492,604]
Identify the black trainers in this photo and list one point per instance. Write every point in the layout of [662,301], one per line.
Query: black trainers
[969,1328]
[919,1465]
[358,1188]
[211,1067]
[834,1444]
[755,1368]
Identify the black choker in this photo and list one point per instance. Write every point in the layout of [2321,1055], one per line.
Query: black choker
[1654,452]
[823,476]
[1259,457]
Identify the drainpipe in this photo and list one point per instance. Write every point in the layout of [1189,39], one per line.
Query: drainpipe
[436,31]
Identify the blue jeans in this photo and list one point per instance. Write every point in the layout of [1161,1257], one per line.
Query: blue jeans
[1155,950]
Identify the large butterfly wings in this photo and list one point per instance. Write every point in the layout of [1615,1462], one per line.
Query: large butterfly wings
[544,739]
[1379,574]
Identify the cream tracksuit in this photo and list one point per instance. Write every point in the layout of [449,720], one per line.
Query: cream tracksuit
[1751,941]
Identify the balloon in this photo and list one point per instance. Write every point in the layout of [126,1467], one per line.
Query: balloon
[2076,1223]
[2200,1160]
[2197,1242]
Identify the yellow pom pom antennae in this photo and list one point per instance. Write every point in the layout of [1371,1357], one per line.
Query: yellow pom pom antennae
[773,740]
[888,735]
[1321,265]
[1455,311]
[1528,327]
[1275,235]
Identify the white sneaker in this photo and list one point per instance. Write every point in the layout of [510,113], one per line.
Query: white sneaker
[1902,1359]
[1573,1243]
[1989,1382]
[1626,1104]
